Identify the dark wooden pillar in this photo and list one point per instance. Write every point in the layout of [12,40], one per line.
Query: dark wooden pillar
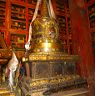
[82,41]
[81,36]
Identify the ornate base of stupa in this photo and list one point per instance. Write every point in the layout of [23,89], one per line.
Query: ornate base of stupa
[52,86]
[74,91]
[51,73]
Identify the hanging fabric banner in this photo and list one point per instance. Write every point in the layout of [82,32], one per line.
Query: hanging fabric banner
[12,65]
[27,45]
[50,10]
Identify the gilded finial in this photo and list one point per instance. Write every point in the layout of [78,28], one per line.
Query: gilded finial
[44,8]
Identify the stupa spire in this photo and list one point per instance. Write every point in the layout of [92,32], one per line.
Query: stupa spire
[44,12]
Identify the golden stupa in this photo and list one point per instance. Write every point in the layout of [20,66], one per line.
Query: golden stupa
[51,69]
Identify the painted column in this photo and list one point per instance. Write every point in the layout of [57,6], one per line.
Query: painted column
[81,36]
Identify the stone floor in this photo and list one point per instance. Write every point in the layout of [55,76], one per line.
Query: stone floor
[76,92]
